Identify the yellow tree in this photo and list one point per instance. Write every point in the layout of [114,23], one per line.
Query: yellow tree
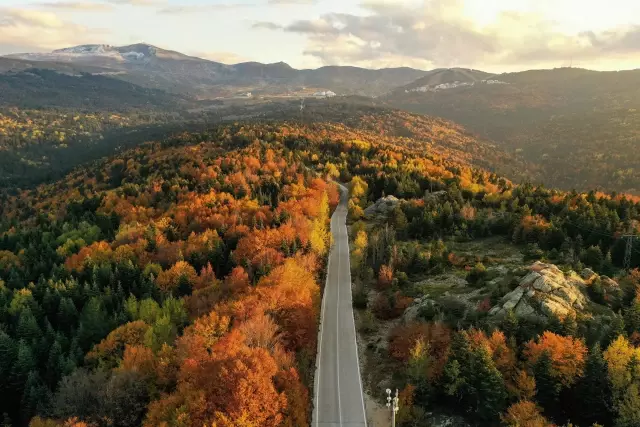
[320,238]
[623,365]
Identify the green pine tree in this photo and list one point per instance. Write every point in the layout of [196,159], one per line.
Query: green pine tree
[28,328]
[54,364]
[25,363]
[8,353]
[593,394]
[489,390]
[547,389]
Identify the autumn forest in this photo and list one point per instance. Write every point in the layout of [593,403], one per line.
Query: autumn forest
[178,281]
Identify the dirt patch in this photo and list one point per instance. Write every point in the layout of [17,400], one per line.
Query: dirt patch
[378,415]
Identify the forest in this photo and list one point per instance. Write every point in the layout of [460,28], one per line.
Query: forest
[38,88]
[576,128]
[579,369]
[177,283]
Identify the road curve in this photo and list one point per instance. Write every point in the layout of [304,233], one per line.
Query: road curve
[338,398]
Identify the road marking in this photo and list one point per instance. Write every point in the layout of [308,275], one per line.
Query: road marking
[338,332]
[355,338]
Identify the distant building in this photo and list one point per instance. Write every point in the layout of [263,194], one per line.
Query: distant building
[324,94]
[456,84]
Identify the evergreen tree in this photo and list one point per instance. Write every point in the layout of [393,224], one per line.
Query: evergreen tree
[27,327]
[592,393]
[8,353]
[616,328]
[632,317]
[488,388]
[35,398]
[94,324]
[67,315]
[55,364]
[547,389]
[25,363]
[472,377]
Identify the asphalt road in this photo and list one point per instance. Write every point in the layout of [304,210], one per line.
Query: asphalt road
[338,399]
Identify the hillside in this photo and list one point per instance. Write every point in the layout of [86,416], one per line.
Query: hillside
[166,281]
[442,76]
[577,127]
[41,88]
[43,144]
[175,72]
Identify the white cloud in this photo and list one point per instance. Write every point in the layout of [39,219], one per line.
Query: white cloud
[442,33]
[202,8]
[139,2]
[223,57]
[77,6]
[293,2]
[39,30]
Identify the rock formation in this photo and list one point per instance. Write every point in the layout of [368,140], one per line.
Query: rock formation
[382,206]
[547,291]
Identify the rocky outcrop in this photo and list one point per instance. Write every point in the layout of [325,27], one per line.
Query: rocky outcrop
[382,206]
[546,291]
[413,311]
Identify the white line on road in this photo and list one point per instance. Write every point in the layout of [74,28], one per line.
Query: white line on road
[355,337]
[338,334]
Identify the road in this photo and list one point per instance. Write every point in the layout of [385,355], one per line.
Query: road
[338,398]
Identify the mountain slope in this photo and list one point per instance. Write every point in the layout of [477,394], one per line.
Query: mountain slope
[41,88]
[443,76]
[166,281]
[579,127]
[41,144]
[157,68]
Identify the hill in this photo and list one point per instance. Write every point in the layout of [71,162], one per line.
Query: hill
[157,68]
[41,88]
[443,77]
[43,144]
[166,281]
[577,127]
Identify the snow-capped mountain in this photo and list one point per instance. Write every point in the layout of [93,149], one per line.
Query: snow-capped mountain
[157,68]
[104,52]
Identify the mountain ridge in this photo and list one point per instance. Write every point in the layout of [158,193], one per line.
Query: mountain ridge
[172,71]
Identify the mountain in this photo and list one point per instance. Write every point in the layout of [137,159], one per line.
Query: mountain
[440,78]
[46,88]
[578,128]
[157,68]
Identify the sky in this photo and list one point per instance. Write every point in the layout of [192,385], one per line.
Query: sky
[492,35]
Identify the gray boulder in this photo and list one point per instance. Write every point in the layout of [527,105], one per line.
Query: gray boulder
[545,291]
[382,206]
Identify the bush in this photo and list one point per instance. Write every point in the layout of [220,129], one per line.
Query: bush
[367,322]
[477,275]
[403,279]
[391,306]
[360,299]
[428,311]
[596,292]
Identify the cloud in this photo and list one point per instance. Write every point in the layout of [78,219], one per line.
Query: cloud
[202,8]
[437,33]
[77,5]
[223,57]
[303,2]
[37,30]
[138,2]
[267,26]
[25,17]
